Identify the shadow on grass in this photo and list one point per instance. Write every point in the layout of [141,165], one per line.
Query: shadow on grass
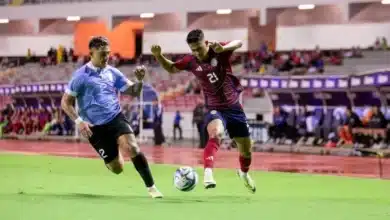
[176,199]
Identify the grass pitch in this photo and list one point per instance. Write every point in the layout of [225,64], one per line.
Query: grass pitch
[59,188]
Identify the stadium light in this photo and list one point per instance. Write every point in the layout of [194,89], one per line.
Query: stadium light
[306,7]
[224,11]
[386,2]
[73,18]
[4,21]
[147,15]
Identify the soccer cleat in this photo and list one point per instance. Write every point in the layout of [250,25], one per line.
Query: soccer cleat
[248,181]
[208,179]
[154,193]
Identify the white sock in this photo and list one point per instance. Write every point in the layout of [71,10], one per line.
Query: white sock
[208,171]
[152,187]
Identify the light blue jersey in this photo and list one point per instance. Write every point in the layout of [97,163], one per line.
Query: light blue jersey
[96,91]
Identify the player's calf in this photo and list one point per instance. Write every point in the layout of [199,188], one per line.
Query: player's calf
[128,142]
[215,132]
[244,145]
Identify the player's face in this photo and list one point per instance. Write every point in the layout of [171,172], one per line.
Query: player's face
[199,49]
[100,56]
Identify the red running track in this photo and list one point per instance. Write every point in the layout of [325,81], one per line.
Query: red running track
[334,165]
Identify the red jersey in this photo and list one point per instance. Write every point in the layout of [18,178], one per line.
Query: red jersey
[221,89]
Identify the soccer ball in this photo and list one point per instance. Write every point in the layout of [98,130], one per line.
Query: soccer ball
[185,179]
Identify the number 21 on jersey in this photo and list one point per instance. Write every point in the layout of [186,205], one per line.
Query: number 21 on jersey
[212,77]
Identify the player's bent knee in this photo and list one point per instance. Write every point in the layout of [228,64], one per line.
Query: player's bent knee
[129,143]
[134,150]
[215,129]
[116,166]
[117,170]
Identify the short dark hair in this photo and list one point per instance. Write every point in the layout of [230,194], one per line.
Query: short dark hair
[97,42]
[195,36]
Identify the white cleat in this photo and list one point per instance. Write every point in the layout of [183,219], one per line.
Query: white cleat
[248,181]
[208,180]
[154,192]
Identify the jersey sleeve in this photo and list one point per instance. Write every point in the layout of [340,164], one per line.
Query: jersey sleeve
[75,85]
[228,53]
[183,63]
[122,83]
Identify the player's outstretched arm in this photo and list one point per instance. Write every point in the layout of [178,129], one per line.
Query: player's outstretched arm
[132,88]
[233,45]
[167,64]
[222,47]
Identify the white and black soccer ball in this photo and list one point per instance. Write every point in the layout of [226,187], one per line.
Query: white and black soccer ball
[185,179]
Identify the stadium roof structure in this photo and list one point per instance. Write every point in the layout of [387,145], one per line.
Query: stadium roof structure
[137,7]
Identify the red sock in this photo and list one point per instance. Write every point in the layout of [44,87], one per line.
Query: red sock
[245,163]
[209,152]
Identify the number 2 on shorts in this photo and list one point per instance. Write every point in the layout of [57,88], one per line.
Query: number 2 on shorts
[102,153]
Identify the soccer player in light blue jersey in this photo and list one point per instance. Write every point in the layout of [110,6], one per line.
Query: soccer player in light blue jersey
[95,86]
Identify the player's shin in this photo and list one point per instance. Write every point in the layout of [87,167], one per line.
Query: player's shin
[215,131]
[245,158]
[244,145]
[141,165]
[245,162]
[209,158]
[210,152]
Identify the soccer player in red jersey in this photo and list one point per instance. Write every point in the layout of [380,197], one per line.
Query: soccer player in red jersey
[210,63]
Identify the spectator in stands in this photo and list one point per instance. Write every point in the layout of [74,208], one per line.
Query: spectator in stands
[177,126]
[29,55]
[278,128]
[34,120]
[384,45]
[4,120]
[377,119]
[375,134]
[57,123]
[377,122]
[301,122]
[263,48]
[16,119]
[43,117]
[197,120]
[4,62]
[68,125]
[336,58]
[305,125]
[60,54]
[351,121]
[72,57]
[52,56]
[6,123]
[357,52]
[377,44]
[159,138]
[65,55]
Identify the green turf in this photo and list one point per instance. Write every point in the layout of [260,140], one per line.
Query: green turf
[58,188]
